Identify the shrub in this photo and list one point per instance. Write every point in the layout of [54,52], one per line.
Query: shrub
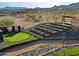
[6,22]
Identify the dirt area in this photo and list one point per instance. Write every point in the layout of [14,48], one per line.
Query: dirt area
[38,45]
[32,46]
[28,24]
[25,24]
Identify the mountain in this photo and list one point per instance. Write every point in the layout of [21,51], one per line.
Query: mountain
[70,6]
[73,6]
[8,9]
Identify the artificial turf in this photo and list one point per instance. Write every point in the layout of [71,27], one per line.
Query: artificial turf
[67,25]
[14,38]
[69,52]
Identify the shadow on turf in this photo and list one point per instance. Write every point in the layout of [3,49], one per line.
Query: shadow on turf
[10,34]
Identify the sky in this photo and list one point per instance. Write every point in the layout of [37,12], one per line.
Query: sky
[32,4]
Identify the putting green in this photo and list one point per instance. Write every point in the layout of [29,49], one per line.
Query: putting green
[14,38]
[69,52]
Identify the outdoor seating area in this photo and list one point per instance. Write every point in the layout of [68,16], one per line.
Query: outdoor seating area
[54,30]
[46,30]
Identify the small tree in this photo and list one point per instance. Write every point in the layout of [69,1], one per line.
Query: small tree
[28,17]
[54,16]
[14,13]
[6,22]
[40,18]
[33,17]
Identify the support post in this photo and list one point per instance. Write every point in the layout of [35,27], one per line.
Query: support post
[1,36]
[19,29]
[13,28]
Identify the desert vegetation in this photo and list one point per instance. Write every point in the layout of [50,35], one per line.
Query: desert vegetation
[6,22]
[38,16]
[35,16]
[49,15]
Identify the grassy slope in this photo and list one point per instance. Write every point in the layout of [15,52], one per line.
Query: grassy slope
[18,37]
[69,52]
